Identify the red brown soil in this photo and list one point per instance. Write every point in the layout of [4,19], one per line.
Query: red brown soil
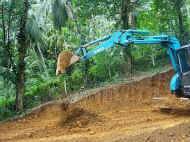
[119,113]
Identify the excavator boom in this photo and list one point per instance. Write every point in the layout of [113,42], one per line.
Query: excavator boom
[124,38]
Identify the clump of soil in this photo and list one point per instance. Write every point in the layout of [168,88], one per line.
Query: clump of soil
[78,117]
[63,61]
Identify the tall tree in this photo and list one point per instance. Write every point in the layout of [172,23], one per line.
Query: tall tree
[127,22]
[125,12]
[22,48]
[182,18]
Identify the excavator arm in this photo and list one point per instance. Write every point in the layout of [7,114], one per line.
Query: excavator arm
[179,56]
[117,38]
[122,38]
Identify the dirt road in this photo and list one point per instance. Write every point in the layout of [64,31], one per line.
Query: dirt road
[119,113]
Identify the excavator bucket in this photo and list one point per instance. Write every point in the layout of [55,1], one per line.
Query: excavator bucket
[65,59]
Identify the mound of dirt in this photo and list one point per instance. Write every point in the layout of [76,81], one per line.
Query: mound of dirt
[61,114]
[49,111]
[79,118]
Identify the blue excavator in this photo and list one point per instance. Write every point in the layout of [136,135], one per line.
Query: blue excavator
[179,55]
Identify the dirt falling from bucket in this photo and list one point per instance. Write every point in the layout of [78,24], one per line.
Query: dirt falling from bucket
[63,61]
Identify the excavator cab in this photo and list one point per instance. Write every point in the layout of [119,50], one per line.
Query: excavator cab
[183,55]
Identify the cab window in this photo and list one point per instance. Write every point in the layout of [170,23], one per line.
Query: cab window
[184,59]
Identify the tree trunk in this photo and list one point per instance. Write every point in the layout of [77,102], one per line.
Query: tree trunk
[181,27]
[180,22]
[126,24]
[8,62]
[183,35]
[43,61]
[65,86]
[125,11]
[3,25]
[73,16]
[86,76]
[22,41]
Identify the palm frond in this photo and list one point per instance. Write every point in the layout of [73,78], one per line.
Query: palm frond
[33,30]
[60,15]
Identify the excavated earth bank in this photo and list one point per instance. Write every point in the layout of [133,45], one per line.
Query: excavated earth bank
[141,111]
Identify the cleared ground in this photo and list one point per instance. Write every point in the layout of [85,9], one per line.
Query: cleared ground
[119,113]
